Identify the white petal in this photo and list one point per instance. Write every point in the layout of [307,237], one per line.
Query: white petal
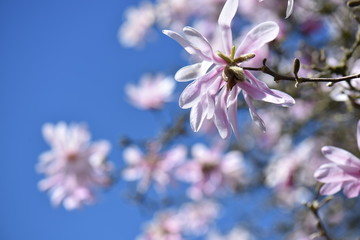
[290,8]
[191,72]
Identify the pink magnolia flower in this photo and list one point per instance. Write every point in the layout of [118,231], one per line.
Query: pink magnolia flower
[152,92]
[154,165]
[137,26]
[211,172]
[198,216]
[237,233]
[342,173]
[165,226]
[219,78]
[74,167]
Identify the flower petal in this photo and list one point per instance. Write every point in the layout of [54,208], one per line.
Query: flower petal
[330,172]
[196,89]
[259,94]
[232,110]
[181,40]
[198,41]
[197,115]
[257,37]
[341,157]
[290,8]
[330,188]
[227,14]
[254,116]
[352,189]
[191,72]
[358,134]
[221,116]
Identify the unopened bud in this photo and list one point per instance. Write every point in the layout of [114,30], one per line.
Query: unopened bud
[353,3]
[296,66]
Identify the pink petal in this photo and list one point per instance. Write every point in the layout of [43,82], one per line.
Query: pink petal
[254,116]
[257,37]
[191,72]
[221,116]
[198,41]
[196,89]
[227,14]
[259,94]
[352,189]
[330,188]
[330,172]
[358,134]
[340,156]
[286,100]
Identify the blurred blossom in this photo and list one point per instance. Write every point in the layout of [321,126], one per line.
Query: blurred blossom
[154,166]
[74,167]
[137,25]
[210,172]
[237,233]
[165,226]
[342,91]
[302,110]
[290,170]
[213,93]
[198,216]
[152,92]
[343,172]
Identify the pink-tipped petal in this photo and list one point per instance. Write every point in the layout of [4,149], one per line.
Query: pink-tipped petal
[257,37]
[258,94]
[340,156]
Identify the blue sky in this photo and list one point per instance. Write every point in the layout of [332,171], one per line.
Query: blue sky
[60,60]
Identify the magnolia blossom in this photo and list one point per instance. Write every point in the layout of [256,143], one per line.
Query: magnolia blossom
[220,77]
[165,226]
[342,173]
[74,167]
[237,233]
[198,216]
[342,92]
[211,172]
[137,26]
[290,170]
[154,165]
[152,92]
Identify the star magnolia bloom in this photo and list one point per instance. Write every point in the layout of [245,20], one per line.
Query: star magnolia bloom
[74,166]
[153,166]
[211,172]
[219,78]
[342,172]
[152,92]
[165,226]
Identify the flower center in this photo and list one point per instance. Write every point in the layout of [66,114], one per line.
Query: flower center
[233,73]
